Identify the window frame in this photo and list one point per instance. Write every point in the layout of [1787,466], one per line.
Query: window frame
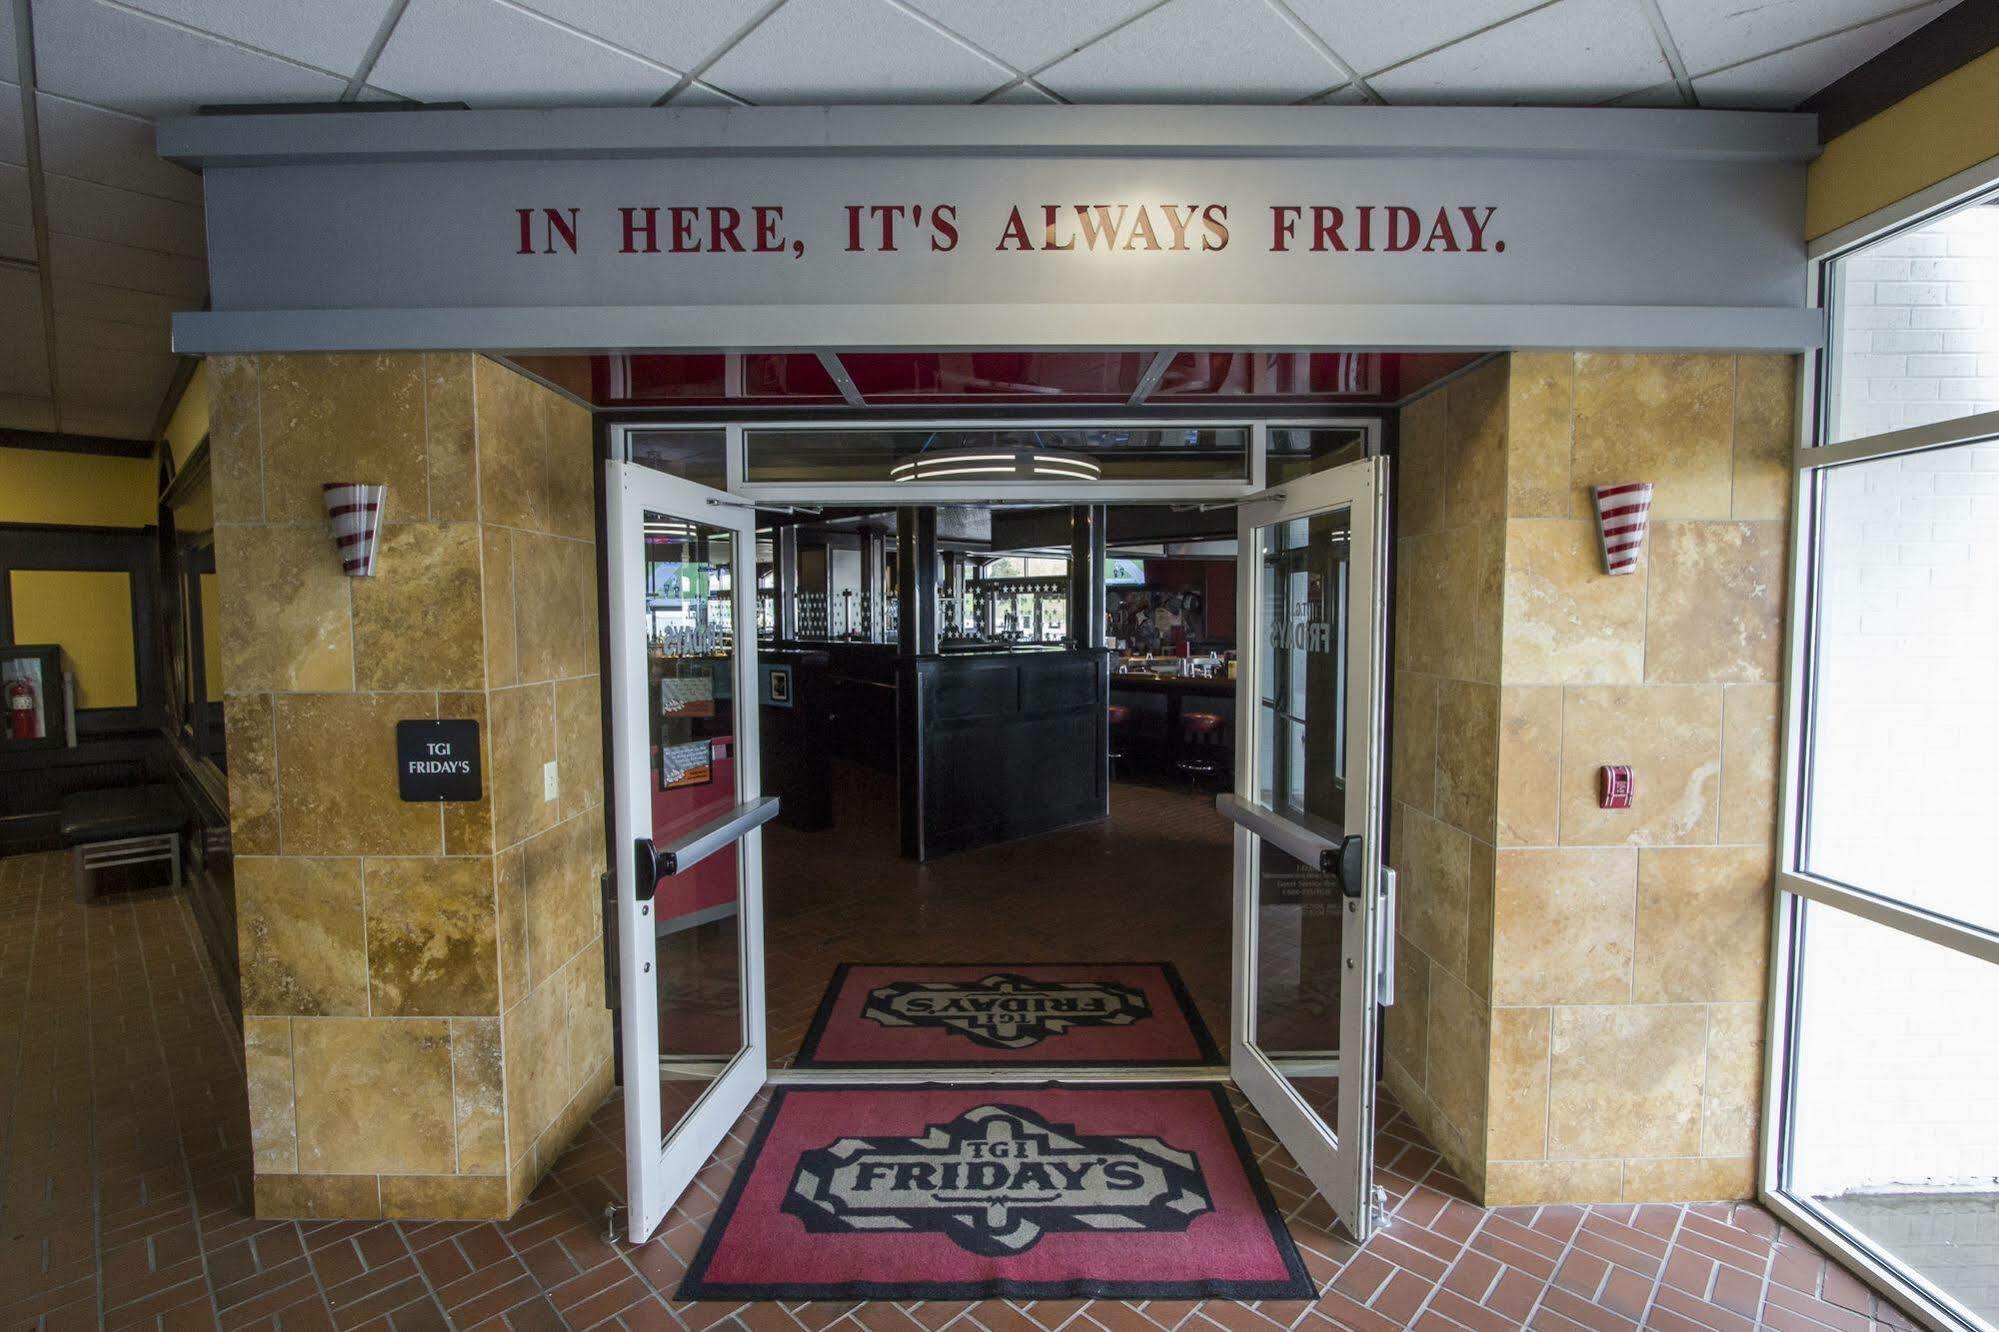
[1795,887]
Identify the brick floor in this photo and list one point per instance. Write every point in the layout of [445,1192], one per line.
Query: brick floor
[126,1154]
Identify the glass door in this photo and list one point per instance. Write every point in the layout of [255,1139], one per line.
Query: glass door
[687,818]
[1310,964]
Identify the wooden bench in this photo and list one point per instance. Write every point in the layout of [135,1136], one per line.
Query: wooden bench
[127,825]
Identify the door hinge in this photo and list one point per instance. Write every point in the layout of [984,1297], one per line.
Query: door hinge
[1384,946]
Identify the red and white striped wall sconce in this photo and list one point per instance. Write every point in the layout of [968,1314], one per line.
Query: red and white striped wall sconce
[1622,513]
[354,512]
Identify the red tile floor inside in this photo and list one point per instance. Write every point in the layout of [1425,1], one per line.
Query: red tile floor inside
[126,1149]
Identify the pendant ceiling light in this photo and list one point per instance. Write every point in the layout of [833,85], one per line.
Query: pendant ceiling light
[997,464]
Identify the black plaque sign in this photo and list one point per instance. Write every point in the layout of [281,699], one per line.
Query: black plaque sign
[437,760]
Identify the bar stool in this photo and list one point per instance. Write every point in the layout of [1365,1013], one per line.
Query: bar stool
[1200,744]
[1119,717]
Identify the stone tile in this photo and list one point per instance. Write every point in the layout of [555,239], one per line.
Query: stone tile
[586,1021]
[513,471]
[563,909]
[451,438]
[337,790]
[343,417]
[1567,621]
[1517,1127]
[1421,460]
[235,439]
[1530,765]
[285,610]
[1534,1183]
[374,1096]
[253,774]
[1667,419]
[1436,890]
[1413,741]
[1671,737]
[1475,446]
[570,441]
[1717,604]
[1766,431]
[1458,1054]
[555,606]
[1749,741]
[432,948]
[478,1096]
[267,1063]
[468,824]
[536,1055]
[1602,1102]
[1479,919]
[1540,434]
[1703,923]
[301,936]
[1406,1028]
[522,739]
[510,885]
[1467,756]
[1449,586]
[1732,1108]
[418,621]
[446,1197]
[345,1197]
[496,558]
[1562,926]
[1697,1179]
[579,744]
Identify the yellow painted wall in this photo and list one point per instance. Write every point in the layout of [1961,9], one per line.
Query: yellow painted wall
[76,489]
[1926,137]
[90,614]
[189,423]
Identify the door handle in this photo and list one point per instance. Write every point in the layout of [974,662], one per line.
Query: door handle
[1351,868]
[1384,951]
[645,881]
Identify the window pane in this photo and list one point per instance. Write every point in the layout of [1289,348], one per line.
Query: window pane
[1904,722]
[700,456]
[1895,1127]
[1916,326]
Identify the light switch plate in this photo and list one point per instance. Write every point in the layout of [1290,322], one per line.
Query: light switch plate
[548,786]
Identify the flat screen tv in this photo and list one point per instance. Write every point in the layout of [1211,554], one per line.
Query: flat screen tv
[1124,573]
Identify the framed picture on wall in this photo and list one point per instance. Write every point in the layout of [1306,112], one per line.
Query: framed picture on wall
[31,686]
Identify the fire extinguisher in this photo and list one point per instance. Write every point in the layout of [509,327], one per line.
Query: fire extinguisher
[21,709]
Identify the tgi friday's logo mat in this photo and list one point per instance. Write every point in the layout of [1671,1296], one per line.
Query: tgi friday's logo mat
[995,1180]
[1006,1012]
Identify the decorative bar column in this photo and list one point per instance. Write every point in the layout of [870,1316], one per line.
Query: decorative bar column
[916,545]
[1086,576]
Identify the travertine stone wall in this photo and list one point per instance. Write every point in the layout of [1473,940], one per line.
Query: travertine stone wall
[421,984]
[1619,1041]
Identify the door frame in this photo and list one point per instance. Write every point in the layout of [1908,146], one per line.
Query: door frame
[660,1161]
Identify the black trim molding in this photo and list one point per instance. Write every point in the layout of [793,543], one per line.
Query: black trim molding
[1942,46]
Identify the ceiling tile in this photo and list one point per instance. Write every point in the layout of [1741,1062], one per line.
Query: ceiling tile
[681,34]
[14,209]
[19,413]
[1371,36]
[486,53]
[95,378]
[135,422]
[1197,51]
[99,212]
[113,57]
[1780,81]
[78,298]
[1660,96]
[1351,95]
[109,147]
[814,51]
[24,365]
[185,281]
[13,143]
[1576,51]
[19,290]
[700,94]
[1029,33]
[1714,33]
[102,333]
[334,37]
[9,47]
[16,242]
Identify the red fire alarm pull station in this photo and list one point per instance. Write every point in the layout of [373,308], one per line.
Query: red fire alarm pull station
[1613,786]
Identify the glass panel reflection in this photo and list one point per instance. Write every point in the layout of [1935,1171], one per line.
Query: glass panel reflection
[1302,575]
[690,669]
[1895,1120]
[1116,453]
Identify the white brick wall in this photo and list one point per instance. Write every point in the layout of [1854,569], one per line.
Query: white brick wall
[1919,327]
